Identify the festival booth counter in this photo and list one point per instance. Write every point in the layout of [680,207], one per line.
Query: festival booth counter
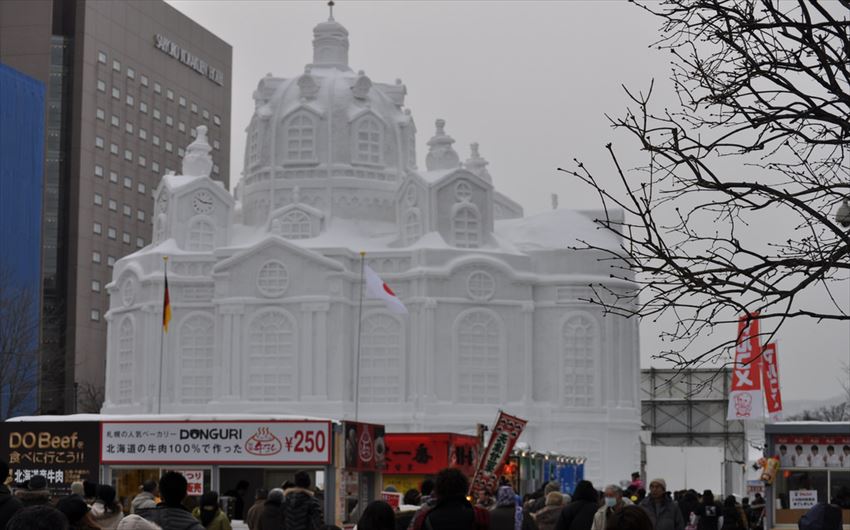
[413,457]
[214,452]
[809,463]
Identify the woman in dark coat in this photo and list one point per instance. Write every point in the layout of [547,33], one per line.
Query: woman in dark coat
[272,516]
[508,514]
[732,519]
[578,514]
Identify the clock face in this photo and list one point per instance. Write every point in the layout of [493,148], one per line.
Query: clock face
[202,202]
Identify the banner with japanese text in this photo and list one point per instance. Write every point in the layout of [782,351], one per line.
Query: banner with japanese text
[505,434]
[365,449]
[770,378]
[62,452]
[745,396]
[216,442]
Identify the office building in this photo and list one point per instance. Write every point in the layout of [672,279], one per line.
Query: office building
[126,82]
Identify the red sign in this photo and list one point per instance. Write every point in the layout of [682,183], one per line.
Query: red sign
[770,373]
[194,480]
[365,449]
[428,453]
[745,401]
[393,498]
[505,434]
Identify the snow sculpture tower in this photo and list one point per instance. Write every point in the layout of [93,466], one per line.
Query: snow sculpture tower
[264,291]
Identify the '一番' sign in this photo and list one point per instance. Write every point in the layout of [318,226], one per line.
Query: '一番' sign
[206,442]
[191,60]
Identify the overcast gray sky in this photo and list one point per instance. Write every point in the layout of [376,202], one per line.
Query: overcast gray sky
[530,81]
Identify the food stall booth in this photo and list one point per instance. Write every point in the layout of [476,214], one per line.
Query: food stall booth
[413,457]
[813,466]
[527,471]
[362,452]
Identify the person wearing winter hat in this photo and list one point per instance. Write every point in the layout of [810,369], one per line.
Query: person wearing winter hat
[662,510]
[547,517]
[77,511]
[104,510]
[146,499]
[38,517]
[578,514]
[36,492]
[136,522]
[508,513]
[540,502]
[209,513]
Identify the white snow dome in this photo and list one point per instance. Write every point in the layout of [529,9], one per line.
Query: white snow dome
[325,131]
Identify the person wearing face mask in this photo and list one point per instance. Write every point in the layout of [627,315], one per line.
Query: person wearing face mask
[614,502]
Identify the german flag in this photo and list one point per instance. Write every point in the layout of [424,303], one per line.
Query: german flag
[166,306]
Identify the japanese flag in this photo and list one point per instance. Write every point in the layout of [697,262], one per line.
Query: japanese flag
[376,288]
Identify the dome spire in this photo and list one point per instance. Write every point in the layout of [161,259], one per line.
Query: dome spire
[330,42]
[441,154]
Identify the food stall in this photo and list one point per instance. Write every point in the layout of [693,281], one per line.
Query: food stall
[413,457]
[527,471]
[813,466]
[362,450]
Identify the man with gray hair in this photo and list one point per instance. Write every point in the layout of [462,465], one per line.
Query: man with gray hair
[614,502]
[272,516]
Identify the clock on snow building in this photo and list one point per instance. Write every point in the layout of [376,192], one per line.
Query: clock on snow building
[264,287]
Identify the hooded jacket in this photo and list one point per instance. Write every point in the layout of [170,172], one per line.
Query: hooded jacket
[143,501]
[578,514]
[301,510]
[33,497]
[169,518]
[8,505]
[665,515]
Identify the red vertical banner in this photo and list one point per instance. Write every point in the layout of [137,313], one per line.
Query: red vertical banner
[502,440]
[770,377]
[745,396]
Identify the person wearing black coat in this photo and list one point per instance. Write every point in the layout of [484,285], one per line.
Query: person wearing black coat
[272,516]
[732,519]
[9,505]
[578,514]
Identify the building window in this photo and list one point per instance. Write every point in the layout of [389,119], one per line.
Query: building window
[181,152]
[131,74]
[143,107]
[578,381]
[169,121]
[128,211]
[217,119]
[111,233]
[271,357]
[126,351]
[156,114]
[100,114]
[193,133]
[140,242]
[296,225]
[98,199]
[273,279]
[130,100]
[97,228]
[155,167]
[143,161]
[480,285]
[140,187]
[478,338]
[95,286]
[101,57]
[412,227]
[201,235]
[463,191]
[125,237]
[181,101]
[95,315]
[128,127]
[116,94]
[113,177]
[169,94]
[101,86]
[381,360]
[181,126]
[98,170]
[169,147]
[144,80]
[128,183]
[143,134]
[113,205]
[116,65]
[196,359]
[128,155]
[115,121]
[194,108]
[206,114]
[98,142]
[155,140]
[95,257]
[110,261]
[300,137]
[157,87]
[140,215]
[466,228]
[369,133]
[113,148]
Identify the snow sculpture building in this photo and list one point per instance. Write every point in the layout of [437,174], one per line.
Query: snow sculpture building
[264,287]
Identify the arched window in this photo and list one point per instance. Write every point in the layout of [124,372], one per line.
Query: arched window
[479,358]
[271,358]
[254,145]
[369,135]
[296,225]
[196,359]
[201,235]
[579,348]
[126,349]
[412,227]
[380,360]
[300,138]
[466,228]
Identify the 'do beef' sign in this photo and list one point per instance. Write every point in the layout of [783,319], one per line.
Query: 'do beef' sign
[220,442]
[505,434]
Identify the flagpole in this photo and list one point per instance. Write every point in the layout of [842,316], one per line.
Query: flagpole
[359,329]
[162,334]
